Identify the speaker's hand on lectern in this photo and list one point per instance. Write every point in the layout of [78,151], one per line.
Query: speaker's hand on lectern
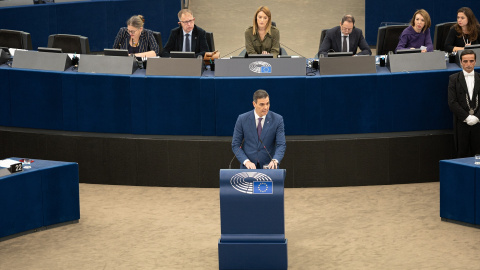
[250,165]
[273,165]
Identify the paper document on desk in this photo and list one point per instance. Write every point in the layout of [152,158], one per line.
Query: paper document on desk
[6,163]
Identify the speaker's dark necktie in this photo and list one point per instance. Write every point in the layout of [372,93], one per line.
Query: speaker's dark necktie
[259,127]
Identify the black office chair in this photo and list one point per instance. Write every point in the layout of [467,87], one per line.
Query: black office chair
[388,37]
[15,39]
[322,37]
[210,41]
[441,32]
[69,43]
[158,38]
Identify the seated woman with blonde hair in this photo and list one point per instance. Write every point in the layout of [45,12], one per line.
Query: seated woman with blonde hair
[136,39]
[262,37]
[417,34]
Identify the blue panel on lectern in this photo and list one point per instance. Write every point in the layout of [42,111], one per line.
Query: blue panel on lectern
[246,210]
[252,220]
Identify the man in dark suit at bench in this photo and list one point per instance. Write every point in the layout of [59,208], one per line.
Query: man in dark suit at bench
[187,37]
[345,38]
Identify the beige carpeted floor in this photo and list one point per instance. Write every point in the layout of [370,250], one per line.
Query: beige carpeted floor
[373,227]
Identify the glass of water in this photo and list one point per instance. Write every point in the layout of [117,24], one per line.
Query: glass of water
[477,159]
[26,163]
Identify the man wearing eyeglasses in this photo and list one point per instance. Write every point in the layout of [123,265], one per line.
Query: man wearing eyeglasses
[187,37]
[345,38]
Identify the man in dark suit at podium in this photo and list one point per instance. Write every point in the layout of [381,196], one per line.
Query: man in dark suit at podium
[187,37]
[463,91]
[345,38]
[262,134]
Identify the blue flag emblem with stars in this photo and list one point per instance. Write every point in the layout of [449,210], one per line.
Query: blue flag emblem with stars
[266,70]
[262,187]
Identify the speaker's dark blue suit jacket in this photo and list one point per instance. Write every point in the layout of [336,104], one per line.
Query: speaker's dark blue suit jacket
[273,137]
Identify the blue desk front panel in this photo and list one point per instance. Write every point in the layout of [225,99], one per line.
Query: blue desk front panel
[413,101]
[36,98]
[209,106]
[21,206]
[173,105]
[234,96]
[46,194]
[341,104]
[459,192]
[61,198]
[5,107]
[103,102]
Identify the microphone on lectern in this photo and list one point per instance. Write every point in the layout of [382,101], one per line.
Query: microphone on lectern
[235,154]
[266,150]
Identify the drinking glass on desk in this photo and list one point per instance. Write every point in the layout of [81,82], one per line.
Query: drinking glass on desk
[477,159]
[26,163]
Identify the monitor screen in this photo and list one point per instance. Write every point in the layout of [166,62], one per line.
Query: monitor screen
[50,50]
[260,56]
[339,54]
[409,51]
[176,54]
[115,52]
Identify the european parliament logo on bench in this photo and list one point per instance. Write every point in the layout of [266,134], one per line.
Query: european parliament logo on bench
[260,67]
[252,183]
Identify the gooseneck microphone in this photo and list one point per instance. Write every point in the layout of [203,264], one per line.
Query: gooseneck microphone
[235,154]
[266,149]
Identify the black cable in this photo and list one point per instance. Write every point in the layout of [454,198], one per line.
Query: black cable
[283,45]
[234,51]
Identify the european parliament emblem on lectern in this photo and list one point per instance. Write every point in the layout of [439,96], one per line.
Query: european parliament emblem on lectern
[252,220]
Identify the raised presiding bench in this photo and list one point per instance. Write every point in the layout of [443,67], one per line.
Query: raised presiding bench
[460,190]
[247,67]
[42,196]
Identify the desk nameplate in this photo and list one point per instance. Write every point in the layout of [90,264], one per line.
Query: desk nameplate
[107,64]
[41,60]
[251,67]
[347,65]
[192,67]
[416,61]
